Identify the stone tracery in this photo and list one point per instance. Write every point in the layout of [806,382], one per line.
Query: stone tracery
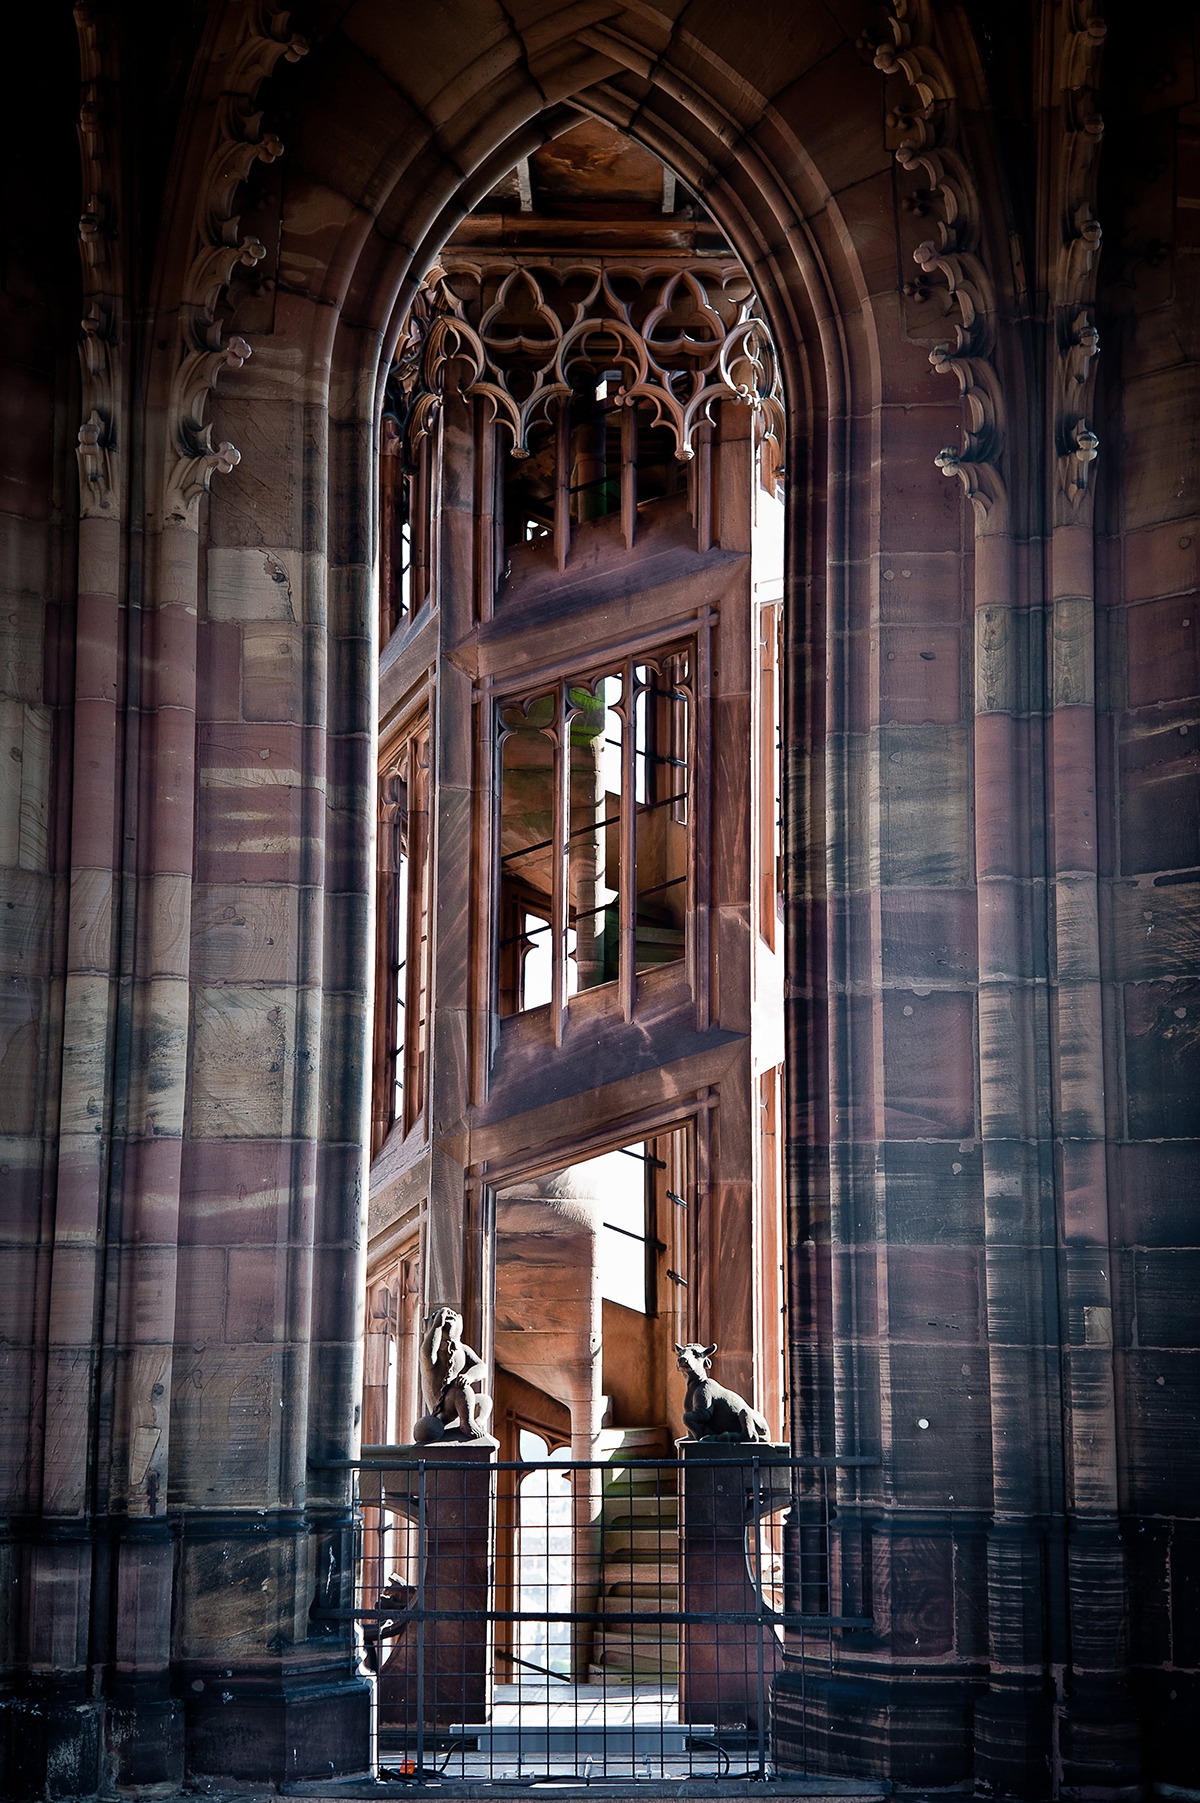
[683,339]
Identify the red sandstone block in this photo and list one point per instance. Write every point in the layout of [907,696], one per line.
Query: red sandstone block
[1162,1068]
[94,810]
[170,657]
[25,919]
[243,932]
[152,1185]
[236,1191]
[921,1588]
[26,417]
[1083,1173]
[917,503]
[219,670]
[347,865]
[928,1065]
[74,1277]
[347,924]
[1159,433]
[97,646]
[18,1406]
[20,1022]
[336,1174]
[1154,930]
[925,820]
[949,1462]
[920,675]
[1162,641]
[920,586]
[251,811]
[1163,1397]
[822,107]
[1001,772]
[244,1050]
[927,933]
[351,774]
[19,1293]
[1155,1193]
[258,1283]
[1073,788]
[203,1286]
[903,325]
[272,670]
[21,1186]
[78,1190]
[149,1318]
[866,227]
[367,90]
[273,746]
[1160,790]
[777,60]
[1072,562]
[936,1293]
[334,1293]
[253,507]
[166,846]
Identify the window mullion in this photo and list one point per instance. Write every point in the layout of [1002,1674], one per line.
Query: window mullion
[629,473]
[414,876]
[562,482]
[627,874]
[558,874]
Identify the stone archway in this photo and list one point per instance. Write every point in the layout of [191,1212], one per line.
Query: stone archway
[227,1016]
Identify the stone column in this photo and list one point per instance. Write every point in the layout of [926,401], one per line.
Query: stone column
[1098,1735]
[726,1666]
[439,1669]
[1012,1723]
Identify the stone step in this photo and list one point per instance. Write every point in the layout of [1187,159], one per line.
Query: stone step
[644,1580]
[643,1658]
[618,1507]
[532,1739]
[648,1441]
[643,1545]
[614,1603]
[633,1482]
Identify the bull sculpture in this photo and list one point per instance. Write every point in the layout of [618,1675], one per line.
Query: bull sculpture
[710,1411]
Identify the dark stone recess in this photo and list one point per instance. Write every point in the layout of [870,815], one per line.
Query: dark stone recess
[1170,1708]
[917,1730]
[281,1731]
[54,1748]
[143,1744]
[1012,1739]
[1099,1741]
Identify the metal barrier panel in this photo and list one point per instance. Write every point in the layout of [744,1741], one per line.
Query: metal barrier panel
[579,1620]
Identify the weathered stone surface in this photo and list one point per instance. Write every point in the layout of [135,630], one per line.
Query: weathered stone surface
[992,820]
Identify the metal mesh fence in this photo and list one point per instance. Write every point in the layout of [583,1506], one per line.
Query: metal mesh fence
[575,1621]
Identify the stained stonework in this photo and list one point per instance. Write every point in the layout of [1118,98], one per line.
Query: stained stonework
[991,685]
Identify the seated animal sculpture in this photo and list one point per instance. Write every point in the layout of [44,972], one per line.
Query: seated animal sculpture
[451,1372]
[710,1411]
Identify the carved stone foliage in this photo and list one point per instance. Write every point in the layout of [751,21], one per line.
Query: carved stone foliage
[219,246]
[923,130]
[1078,50]
[524,337]
[97,442]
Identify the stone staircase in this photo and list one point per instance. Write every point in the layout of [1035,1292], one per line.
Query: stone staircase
[639,1560]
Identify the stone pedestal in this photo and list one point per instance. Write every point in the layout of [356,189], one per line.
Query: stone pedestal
[727,1664]
[439,1668]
